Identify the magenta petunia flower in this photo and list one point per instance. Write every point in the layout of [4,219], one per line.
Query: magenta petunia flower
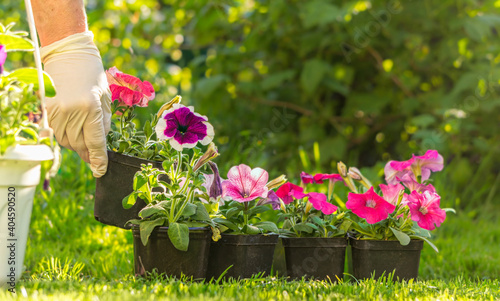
[3,57]
[272,199]
[128,90]
[424,209]
[370,206]
[244,184]
[184,128]
[288,192]
[430,161]
[306,178]
[319,178]
[390,193]
[319,202]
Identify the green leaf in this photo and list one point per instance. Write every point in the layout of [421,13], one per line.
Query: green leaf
[15,43]
[267,226]
[189,210]
[148,130]
[201,213]
[146,227]
[449,210]
[30,76]
[179,236]
[403,238]
[226,223]
[129,200]
[139,181]
[250,229]
[150,210]
[427,241]
[232,212]
[317,220]
[257,210]
[303,228]
[312,74]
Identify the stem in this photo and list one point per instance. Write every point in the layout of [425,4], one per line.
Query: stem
[178,167]
[245,214]
[187,200]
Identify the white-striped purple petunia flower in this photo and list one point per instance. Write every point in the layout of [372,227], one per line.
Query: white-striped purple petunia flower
[184,128]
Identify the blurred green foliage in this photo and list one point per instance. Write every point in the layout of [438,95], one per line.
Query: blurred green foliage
[367,81]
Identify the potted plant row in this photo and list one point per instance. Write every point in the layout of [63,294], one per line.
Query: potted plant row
[26,158]
[178,201]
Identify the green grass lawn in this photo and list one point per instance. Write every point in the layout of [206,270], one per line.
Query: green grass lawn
[70,256]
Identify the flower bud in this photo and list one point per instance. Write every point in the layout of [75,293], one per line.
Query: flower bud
[354,174]
[168,105]
[308,207]
[342,169]
[210,154]
[276,182]
[215,190]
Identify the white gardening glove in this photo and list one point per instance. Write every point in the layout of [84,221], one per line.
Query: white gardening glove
[80,113]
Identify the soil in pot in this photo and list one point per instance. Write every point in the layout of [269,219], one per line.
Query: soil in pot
[114,186]
[315,257]
[383,257]
[159,254]
[247,255]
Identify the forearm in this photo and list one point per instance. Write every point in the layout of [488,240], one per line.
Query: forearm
[57,19]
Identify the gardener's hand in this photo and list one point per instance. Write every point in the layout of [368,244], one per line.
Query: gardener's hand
[80,113]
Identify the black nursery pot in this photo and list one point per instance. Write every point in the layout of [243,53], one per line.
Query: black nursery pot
[384,257]
[315,257]
[114,186]
[247,254]
[160,254]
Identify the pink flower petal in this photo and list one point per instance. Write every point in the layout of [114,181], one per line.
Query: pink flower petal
[244,184]
[288,192]
[319,202]
[369,206]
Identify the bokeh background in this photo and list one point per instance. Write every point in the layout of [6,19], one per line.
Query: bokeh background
[293,85]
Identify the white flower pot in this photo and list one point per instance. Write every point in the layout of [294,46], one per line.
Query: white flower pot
[19,176]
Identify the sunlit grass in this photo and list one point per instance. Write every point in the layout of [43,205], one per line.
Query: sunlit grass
[71,256]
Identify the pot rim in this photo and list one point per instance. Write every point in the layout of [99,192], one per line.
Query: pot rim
[165,228]
[385,245]
[128,160]
[314,242]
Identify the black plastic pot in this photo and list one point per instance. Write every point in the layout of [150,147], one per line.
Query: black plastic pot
[247,254]
[114,186]
[315,257]
[382,257]
[160,255]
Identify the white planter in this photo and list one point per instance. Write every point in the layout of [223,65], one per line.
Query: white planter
[19,176]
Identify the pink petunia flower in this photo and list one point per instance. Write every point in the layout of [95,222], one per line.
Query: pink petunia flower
[128,90]
[413,185]
[288,192]
[319,178]
[390,193]
[3,57]
[184,128]
[424,209]
[370,206]
[244,184]
[319,202]
[430,161]
[397,169]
